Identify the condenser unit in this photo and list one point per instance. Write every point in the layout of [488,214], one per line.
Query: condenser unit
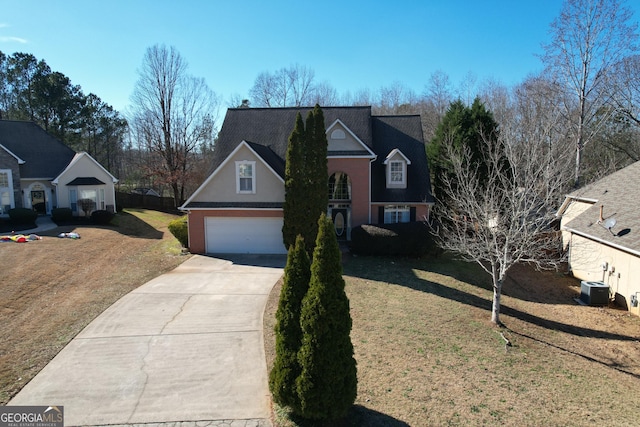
[594,293]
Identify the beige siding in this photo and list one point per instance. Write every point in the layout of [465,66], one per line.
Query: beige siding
[83,166]
[574,209]
[349,143]
[222,187]
[622,272]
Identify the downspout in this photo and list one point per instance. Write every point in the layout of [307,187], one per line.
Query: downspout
[370,163]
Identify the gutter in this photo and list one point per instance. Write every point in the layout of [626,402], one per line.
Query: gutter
[602,241]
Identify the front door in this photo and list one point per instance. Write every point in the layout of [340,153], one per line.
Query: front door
[339,217]
[38,202]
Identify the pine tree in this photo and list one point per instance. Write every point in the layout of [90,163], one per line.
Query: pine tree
[327,385]
[461,127]
[294,210]
[286,369]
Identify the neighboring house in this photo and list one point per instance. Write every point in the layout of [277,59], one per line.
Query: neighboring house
[39,172]
[145,191]
[377,166]
[601,229]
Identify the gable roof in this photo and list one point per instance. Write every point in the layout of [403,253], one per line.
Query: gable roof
[618,194]
[76,158]
[271,127]
[268,130]
[264,153]
[44,156]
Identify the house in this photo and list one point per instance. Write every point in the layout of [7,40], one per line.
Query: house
[601,230]
[377,166]
[37,171]
[145,191]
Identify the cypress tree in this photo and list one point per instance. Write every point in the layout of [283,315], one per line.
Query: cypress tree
[294,210]
[286,369]
[317,179]
[327,385]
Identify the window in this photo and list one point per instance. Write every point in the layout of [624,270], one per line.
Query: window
[394,214]
[73,200]
[396,172]
[338,134]
[6,191]
[245,177]
[339,186]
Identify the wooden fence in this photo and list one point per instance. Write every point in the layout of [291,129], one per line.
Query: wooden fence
[130,200]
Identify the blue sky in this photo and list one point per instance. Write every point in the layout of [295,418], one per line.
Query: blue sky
[353,45]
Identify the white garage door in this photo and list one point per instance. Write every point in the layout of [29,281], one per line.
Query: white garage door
[244,235]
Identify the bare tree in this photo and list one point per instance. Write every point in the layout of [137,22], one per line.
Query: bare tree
[588,39]
[172,115]
[287,87]
[497,216]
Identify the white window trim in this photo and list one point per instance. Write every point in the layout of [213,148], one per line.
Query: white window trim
[253,176]
[404,172]
[12,202]
[397,209]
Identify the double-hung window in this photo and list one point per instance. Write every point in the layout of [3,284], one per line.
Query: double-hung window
[245,177]
[396,172]
[6,191]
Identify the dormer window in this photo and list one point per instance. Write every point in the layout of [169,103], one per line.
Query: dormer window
[396,169]
[397,172]
[245,177]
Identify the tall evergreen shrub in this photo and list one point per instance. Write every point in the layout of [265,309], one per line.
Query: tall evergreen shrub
[286,369]
[306,179]
[327,385]
[294,186]
[318,179]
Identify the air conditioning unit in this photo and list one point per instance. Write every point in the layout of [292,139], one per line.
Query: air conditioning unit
[594,293]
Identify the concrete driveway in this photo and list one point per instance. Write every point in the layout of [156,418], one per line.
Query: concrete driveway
[186,346]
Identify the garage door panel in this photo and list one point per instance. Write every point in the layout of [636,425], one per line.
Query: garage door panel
[244,235]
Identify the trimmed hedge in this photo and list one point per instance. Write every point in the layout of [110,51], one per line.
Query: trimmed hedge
[406,239]
[23,216]
[101,217]
[178,227]
[61,214]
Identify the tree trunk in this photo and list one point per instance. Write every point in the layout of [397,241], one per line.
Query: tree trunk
[497,291]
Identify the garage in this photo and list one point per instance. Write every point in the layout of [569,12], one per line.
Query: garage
[244,235]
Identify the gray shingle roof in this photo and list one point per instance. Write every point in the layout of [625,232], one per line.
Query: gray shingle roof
[618,193]
[405,134]
[267,131]
[44,155]
[86,181]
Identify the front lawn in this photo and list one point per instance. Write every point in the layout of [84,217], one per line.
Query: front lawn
[428,355]
[52,288]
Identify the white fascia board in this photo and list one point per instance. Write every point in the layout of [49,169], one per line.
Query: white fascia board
[20,161]
[393,153]
[182,208]
[77,158]
[373,156]
[221,166]
[358,140]
[602,241]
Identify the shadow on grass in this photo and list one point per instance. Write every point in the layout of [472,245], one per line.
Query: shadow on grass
[400,272]
[7,227]
[123,223]
[358,416]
